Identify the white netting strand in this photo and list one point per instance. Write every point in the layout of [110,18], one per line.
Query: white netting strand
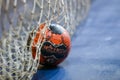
[18,18]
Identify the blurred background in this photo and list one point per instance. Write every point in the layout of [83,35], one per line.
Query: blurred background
[95,52]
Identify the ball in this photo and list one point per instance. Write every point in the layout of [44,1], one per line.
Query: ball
[56,44]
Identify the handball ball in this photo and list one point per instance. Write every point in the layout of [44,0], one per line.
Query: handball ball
[56,46]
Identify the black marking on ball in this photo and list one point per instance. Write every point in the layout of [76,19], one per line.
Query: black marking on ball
[56,29]
[50,60]
[59,51]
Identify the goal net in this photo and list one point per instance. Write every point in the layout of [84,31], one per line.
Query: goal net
[20,18]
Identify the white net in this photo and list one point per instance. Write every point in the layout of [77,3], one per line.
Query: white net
[18,18]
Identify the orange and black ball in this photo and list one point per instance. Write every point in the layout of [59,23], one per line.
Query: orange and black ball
[56,45]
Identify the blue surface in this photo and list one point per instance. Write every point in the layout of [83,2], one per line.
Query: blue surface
[95,53]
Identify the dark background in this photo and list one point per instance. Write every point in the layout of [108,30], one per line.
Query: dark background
[95,52]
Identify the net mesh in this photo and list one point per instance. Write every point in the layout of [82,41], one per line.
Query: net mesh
[20,18]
